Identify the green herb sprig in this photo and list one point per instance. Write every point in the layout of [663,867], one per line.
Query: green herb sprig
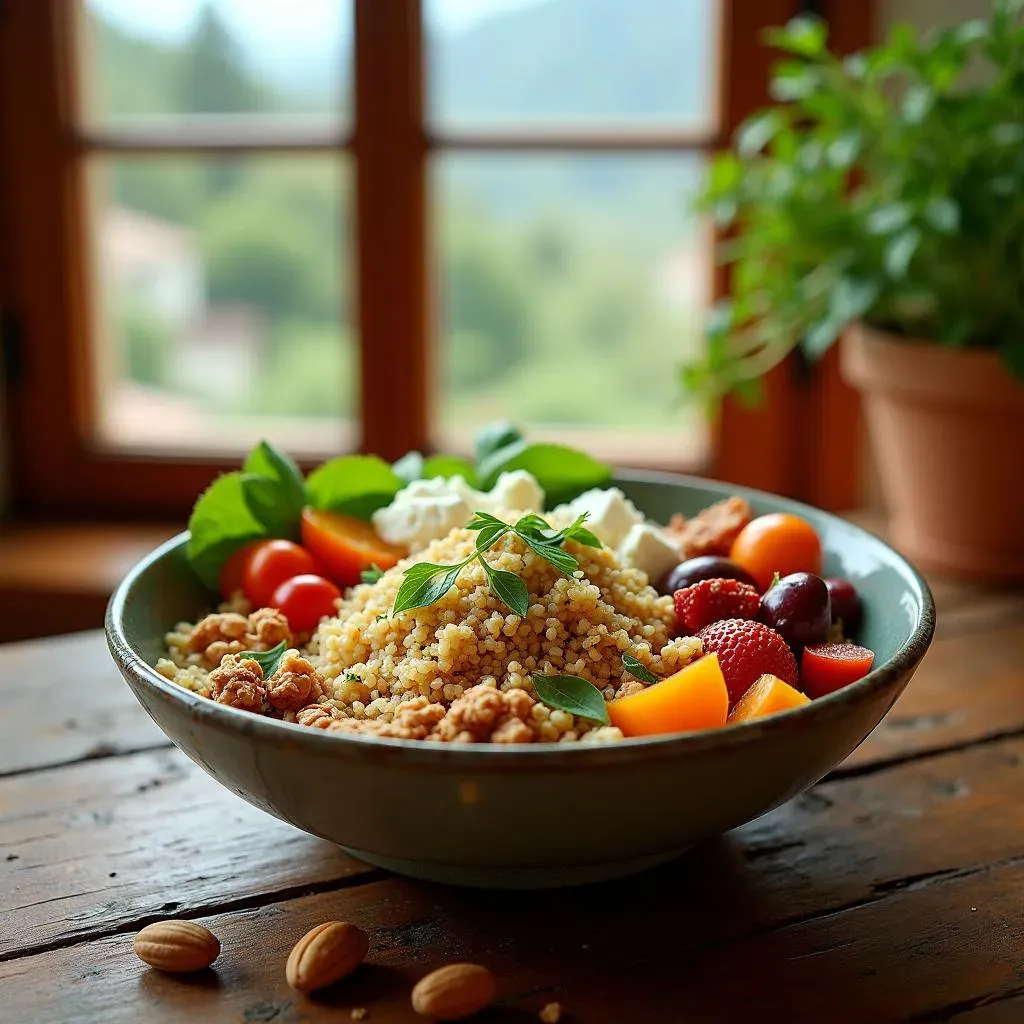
[268,661]
[372,574]
[637,669]
[427,582]
[578,696]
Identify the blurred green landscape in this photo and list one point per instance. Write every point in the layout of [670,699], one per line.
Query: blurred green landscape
[568,286]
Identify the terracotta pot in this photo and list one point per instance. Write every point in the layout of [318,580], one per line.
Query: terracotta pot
[946,427]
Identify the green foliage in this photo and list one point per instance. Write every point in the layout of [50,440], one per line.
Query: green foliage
[885,187]
[147,342]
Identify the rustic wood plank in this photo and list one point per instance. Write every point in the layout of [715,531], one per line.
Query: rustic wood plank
[965,691]
[601,953]
[90,847]
[846,845]
[70,694]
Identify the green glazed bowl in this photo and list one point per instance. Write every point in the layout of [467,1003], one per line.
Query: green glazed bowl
[511,817]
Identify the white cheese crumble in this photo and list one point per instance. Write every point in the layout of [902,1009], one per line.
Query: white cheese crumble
[428,509]
[647,548]
[611,514]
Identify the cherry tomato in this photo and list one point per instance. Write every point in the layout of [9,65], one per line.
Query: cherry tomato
[345,546]
[777,543]
[233,570]
[269,564]
[304,600]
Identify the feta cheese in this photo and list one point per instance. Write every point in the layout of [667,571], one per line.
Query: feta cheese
[517,491]
[611,514]
[427,509]
[645,547]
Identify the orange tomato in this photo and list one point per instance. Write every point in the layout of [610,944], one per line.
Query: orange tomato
[693,698]
[777,543]
[344,546]
[767,696]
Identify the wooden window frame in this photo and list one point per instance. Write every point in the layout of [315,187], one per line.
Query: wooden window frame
[56,472]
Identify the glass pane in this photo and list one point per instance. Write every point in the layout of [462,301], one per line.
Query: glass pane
[571,287]
[497,62]
[223,310]
[182,58]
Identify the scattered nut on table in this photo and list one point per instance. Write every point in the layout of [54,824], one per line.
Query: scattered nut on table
[453,992]
[177,946]
[551,1014]
[325,954]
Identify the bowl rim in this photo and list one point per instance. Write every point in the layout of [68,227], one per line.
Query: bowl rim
[496,757]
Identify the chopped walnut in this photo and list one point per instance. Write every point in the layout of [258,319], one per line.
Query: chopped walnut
[295,683]
[267,628]
[239,683]
[413,721]
[712,531]
[219,634]
[486,715]
[629,687]
[317,716]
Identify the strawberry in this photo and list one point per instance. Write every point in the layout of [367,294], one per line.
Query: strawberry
[746,650]
[710,600]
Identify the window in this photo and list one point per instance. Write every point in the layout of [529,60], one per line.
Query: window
[370,224]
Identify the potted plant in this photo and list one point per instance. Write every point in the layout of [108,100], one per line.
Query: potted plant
[883,199]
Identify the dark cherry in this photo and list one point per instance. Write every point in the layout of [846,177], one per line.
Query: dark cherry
[705,567]
[798,607]
[845,604]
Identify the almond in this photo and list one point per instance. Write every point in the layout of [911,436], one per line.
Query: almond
[177,946]
[325,954]
[453,992]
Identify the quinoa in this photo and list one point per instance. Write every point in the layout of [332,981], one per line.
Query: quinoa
[448,672]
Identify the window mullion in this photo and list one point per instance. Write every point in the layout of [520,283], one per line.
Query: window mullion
[390,156]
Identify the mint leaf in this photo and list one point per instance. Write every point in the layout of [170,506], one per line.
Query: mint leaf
[354,484]
[409,467]
[221,522]
[482,519]
[491,533]
[448,466]
[635,668]
[267,660]
[553,555]
[509,587]
[266,461]
[372,574]
[582,535]
[492,436]
[420,591]
[562,472]
[570,693]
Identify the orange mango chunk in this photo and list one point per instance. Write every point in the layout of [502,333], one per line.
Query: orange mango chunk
[693,698]
[767,696]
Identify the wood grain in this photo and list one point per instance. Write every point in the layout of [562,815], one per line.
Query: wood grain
[63,700]
[96,846]
[813,901]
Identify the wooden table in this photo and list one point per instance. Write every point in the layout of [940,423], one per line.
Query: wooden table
[894,890]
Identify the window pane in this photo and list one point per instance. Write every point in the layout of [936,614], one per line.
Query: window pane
[571,287]
[181,58]
[497,62]
[223,301]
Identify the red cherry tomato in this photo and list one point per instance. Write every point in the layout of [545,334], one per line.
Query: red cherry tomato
[234,568]
[269,564]
[305,600]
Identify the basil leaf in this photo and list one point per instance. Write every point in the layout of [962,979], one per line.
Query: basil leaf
[268,502]
[490,533]
[492,436]
[267,660]
[510,589]
[449,466]
[582,535]
[536,526]
[570,693]
[221,522]
[266,461]
[419,592]
[409,467]
[422,570]
[372,574]
[634,668]
[562,472]
[355,484]
[552,554]
[482,519]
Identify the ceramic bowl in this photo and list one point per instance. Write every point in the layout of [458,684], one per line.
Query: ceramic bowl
[492,815]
